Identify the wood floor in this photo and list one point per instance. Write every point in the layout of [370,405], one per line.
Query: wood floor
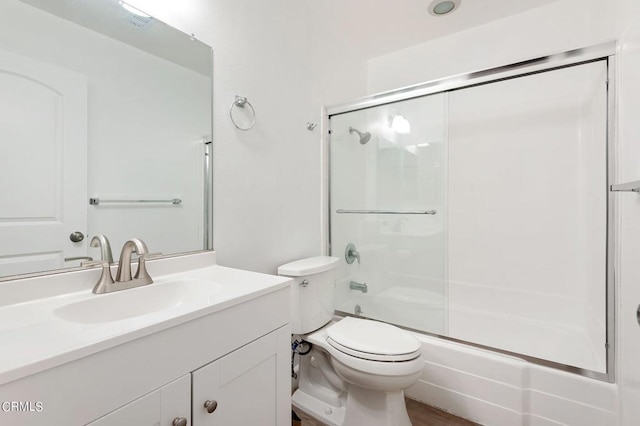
[420,415]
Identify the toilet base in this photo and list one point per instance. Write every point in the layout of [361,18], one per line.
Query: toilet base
[318,409]
[375,408]
[363,407]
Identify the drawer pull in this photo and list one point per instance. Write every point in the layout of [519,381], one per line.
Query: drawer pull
[179,421]
[210,406]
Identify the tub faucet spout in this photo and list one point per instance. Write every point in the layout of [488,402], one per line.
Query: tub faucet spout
[358,286]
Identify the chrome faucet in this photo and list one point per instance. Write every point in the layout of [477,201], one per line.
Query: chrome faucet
[351,254]
[137,246]
[101,241]
[358,286]
[123,280]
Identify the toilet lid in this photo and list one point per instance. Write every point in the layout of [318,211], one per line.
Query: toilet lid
[373,340]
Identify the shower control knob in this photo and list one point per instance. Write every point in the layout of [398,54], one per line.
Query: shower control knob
[210,406]
[76,237]
[179,421]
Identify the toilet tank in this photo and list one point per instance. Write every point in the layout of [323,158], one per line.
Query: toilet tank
[311,292]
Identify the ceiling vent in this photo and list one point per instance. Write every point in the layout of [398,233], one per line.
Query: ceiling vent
[142,22]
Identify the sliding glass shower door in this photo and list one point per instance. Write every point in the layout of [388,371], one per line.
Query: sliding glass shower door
[481,213]
[388,208]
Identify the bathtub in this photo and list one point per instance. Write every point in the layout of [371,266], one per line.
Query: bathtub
[489,387]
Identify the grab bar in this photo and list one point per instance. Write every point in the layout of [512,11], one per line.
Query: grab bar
[97,201]
[627,187]
[343,211]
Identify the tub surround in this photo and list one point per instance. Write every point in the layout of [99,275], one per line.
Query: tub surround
[81,365]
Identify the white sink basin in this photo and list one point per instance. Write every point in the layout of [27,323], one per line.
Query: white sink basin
[139,301]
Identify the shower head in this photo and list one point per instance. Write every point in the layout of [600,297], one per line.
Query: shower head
[364,137]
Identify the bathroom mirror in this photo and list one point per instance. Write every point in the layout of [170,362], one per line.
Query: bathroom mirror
[105,125]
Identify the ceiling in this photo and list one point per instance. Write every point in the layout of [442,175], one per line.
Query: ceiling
[371,27]
[154,37]
[378,27]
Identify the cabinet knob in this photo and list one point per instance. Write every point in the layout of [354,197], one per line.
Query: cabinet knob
[211,406]
[179,421]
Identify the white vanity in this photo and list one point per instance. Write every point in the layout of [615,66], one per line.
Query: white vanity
[202,345]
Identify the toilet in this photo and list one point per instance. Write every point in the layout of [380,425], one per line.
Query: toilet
[357,369]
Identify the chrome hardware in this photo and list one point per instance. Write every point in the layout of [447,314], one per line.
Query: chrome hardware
[626,187]
[134,245]
[71,259]
[211,406]
[358,286]
[357,310]
[97,201]
[343,211]
[364,137]
[311,126]
[123,279]
[351,254]
[179,421]
[241,102]
[76,237]
[304,283]
[105,280]
[105,248]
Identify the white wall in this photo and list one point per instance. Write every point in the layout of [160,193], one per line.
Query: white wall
[267,187]
[129,155]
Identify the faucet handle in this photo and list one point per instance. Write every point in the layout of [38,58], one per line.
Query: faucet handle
[351,254]
[141,273]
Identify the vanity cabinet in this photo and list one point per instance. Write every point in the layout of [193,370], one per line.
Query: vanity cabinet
[168,406]
[244,387]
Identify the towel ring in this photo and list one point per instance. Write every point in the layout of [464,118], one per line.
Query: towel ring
[241,102]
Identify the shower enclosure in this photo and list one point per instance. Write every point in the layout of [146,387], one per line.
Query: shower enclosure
[478,209]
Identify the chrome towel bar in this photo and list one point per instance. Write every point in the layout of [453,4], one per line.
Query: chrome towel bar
[343,211]
[97,201]
[627,187]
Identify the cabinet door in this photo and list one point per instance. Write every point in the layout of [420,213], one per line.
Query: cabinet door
[158,408]
[249,386]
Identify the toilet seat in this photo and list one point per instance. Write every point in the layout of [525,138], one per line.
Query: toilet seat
[372,340]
